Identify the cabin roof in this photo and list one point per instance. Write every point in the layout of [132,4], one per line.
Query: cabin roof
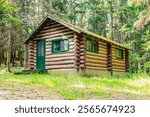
[72,27]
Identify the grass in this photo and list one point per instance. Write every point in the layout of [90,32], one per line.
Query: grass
[50,86]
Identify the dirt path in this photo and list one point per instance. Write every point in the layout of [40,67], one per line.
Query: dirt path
[23,92]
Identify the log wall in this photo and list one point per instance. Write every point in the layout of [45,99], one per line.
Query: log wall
[32,54]
[127,60]
[51,31]
[97,61]
[118,64]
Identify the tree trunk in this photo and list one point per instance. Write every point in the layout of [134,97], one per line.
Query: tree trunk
[111,20]
[20,59]
[0,59]
[72,11]
[13,55]
[9,49]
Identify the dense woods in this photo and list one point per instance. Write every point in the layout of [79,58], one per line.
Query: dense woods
[124,21]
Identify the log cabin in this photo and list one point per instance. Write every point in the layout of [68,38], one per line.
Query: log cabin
[60,47]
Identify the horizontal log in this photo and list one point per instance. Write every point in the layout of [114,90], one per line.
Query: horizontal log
[118,70]
[62,32]
[32,48]
[82,46]
[32,64]
[96,65]
[60,66]
[96,68]
[96,55]
[96,58]
[118,64]
[31,58]
[103,53]
[53,22]
[52,37]
[82,57]
[102,46]
[32,53]
[54,28]
[60,63]
[102,43]
[60,59]
[76,37]
[96,61]
[60,55]
[82,66]
[117,67]
[31,44]
[54,34]
[55,25]
[118,61]
[102,50]
[82,54]
[82,61]
[82,42]
[58,31]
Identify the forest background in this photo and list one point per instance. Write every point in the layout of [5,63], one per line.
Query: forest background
[124,21]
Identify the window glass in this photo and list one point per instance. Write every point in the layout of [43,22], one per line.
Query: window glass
[95,47]
[92,45]
[40,48]
[60,45]
[119,54]
[56,46]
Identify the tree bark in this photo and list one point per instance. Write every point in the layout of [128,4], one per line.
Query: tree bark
[111,18]
[9,49]
[20,59]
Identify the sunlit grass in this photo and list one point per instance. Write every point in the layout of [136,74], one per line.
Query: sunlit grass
[49,86]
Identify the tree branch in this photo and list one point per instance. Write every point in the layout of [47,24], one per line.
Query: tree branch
[2,2]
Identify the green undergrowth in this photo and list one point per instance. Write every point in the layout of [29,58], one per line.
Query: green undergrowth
[131,86]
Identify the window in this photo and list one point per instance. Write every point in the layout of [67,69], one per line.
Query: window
[119,53]
[60,45]
[92,45]
[40,45]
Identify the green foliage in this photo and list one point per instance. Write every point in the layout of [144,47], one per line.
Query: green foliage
[7,12]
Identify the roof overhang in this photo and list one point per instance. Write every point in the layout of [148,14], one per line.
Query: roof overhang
[72,27]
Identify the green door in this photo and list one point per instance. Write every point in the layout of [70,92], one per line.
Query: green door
[40,54]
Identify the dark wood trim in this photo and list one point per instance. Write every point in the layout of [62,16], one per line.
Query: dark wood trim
[127,60]
[109,57]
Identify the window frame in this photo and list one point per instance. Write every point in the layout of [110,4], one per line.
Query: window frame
[92,49]
[122,54]
[57,40]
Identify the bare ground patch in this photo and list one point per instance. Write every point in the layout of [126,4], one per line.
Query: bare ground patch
[17,91]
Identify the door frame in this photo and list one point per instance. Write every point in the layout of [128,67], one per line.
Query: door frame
[42,39]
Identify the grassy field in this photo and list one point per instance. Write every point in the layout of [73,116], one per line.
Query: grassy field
[49,86]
